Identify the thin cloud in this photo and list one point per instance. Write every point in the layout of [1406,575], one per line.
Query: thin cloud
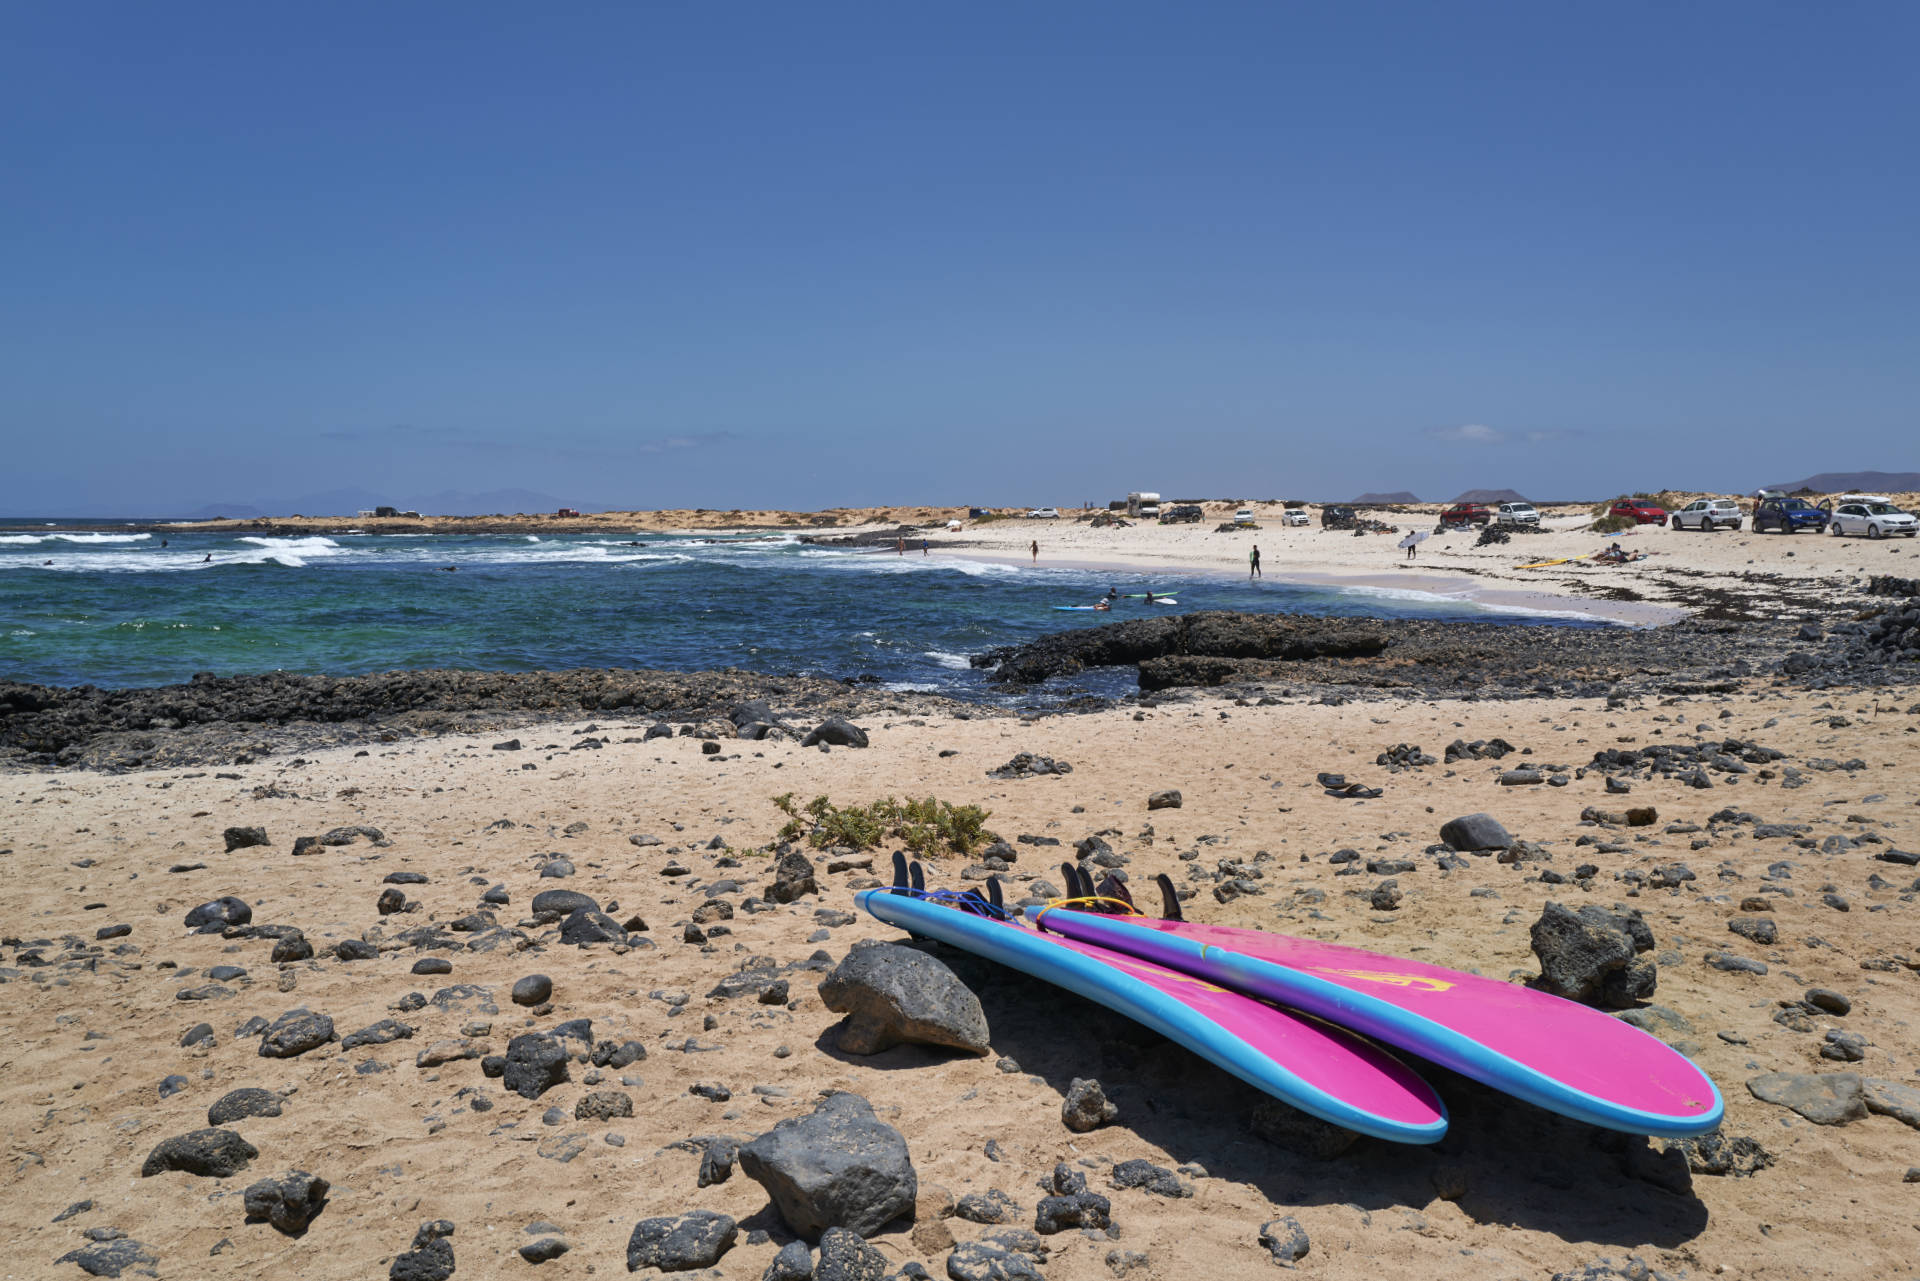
[461,439]
[1469,434]
[1481,434]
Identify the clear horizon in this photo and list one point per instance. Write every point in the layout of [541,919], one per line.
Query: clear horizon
[821,257]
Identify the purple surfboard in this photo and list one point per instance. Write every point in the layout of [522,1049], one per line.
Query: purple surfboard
[1556,1053]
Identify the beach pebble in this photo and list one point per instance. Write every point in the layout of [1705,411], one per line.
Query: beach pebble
[390,901]
[793,1263]
[172,1085]
[1825,1098]
[793,877]
[291,947]
[586,927]
[1071,1205]
[1475,832]
[1844,1047]
[990,1207]
[209,1153]
[535,1063]
[534,989]
[1086,1106]
[288,1202]
[557,869]
[217,915]
[381,1033]
[198,1034]
[1153,1178]
[1167,799]
[1755,929]
[836,731]
[681,1244]
[433,965]
[1285,1240]
[1896,1099]
[356,950]
[603,1105]
[556,905]
[429,1258]
[1005,1256]
[236,1105]
[544,1250]
[838,1166]
[896,995]
[716,1162]
[1827,999]
[844,1256]
[240,838]
[1718,1155]
[294,1033]
[113,1257]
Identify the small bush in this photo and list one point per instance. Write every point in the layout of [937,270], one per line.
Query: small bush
[1614,524]
[927,828]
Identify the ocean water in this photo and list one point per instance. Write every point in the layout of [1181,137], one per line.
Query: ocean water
[115,609]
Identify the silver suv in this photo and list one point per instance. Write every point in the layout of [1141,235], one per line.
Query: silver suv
[1708,514]
[1516,514]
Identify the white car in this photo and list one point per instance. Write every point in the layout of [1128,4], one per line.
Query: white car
[1876,518]
[1044,513]
[1516,514]
[1294,516]
[1708,514]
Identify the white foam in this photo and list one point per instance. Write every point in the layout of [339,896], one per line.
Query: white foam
[23,539]
[1463,598]
[958,662]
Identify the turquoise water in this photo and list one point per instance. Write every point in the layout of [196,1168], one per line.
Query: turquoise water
[118,609]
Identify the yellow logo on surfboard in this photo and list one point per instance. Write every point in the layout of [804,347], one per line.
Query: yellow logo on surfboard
[1420,981]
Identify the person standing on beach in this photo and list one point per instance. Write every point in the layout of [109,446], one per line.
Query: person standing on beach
[899,547]
[1035,549]
[923,547]
[1253,562]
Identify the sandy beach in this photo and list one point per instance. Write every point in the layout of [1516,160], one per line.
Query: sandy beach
[97,1075]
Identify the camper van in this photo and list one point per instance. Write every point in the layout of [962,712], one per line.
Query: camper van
[1143,506]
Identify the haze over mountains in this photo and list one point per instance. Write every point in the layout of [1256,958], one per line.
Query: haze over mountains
[1847,482]
[345,502]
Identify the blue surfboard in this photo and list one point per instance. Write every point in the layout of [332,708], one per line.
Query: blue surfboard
[1314,1066]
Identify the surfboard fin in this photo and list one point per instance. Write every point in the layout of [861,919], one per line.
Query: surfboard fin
[916,877]
[993,893]
[1113,887]
[900,881]
[1169,898]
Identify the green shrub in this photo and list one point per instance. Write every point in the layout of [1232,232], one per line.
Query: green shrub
[1614,524]
[928,828]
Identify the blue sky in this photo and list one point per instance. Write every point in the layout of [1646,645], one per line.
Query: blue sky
[819,254]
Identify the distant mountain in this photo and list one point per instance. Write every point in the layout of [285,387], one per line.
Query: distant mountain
[1848,482]
[214,511]
[348,502]
[1491,496]
[1379,500]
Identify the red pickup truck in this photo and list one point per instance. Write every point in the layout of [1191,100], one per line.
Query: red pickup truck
[1638,512]
[1467,514]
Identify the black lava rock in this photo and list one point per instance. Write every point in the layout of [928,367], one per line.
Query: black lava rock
[895,995]
[211,1154]
[693,1240]
[839,1166]
[294,1033]
[239,1104]
[289,1202]
[535,1064]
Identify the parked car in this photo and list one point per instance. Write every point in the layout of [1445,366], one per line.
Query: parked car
[1467,514]
[1181,514]
[1336,516]
[1511,514]
[1294,516]
[1244,516]
[1638,512]
[1788,515]
[1044,513]
[1708,514]
[1874,517]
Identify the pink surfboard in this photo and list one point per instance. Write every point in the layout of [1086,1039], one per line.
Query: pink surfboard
[1558,1054]
[1315,1066]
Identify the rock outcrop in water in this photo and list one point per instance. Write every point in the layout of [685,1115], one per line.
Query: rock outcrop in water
[1209,634]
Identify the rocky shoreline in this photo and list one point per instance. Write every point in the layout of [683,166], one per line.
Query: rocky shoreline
[230,720]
